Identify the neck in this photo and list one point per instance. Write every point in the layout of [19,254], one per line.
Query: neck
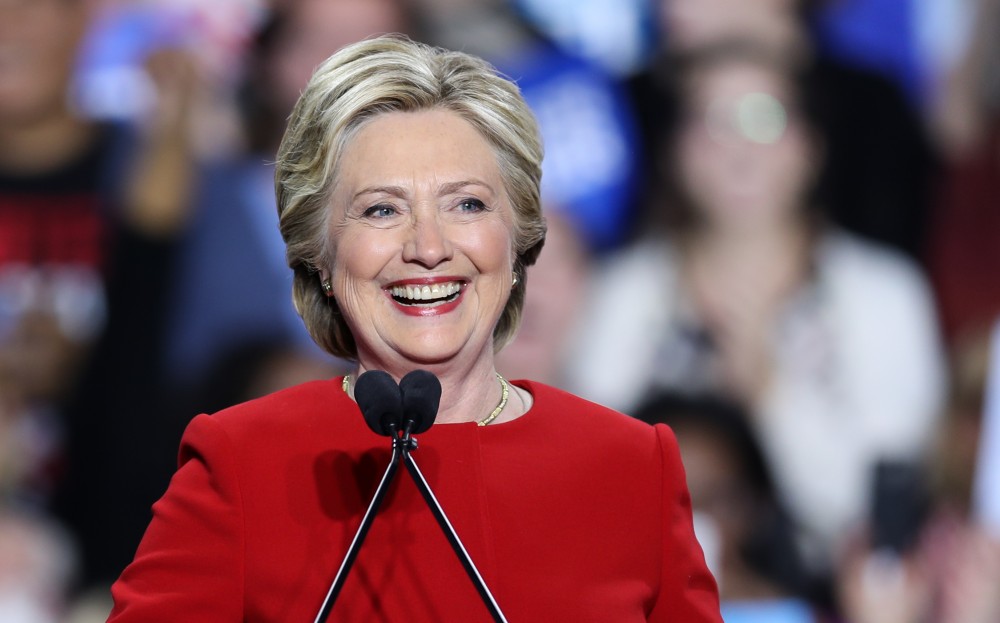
[44,144]
[774,260]
[751,237]
[749,246]
[468,394]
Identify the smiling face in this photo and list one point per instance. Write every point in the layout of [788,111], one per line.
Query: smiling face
[420,235]
[744,155]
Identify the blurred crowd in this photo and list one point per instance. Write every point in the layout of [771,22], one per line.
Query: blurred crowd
[773,225]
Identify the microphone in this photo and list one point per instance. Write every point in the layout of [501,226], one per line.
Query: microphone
[380,401]
[381,404]
[421,396]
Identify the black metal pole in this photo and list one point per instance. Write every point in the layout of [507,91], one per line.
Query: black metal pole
[359,536]
[449,532]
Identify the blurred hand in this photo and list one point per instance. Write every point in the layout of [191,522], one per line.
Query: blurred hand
[880,587]
[741,287]
[970,580]
[159,196]
[175,74]
[742,321]
[740,305]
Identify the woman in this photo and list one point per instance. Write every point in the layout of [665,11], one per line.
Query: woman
[829,341]
[408,192]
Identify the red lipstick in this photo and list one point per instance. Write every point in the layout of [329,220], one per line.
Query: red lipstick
[420,310]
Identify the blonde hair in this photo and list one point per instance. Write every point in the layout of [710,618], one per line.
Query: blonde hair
[387,74]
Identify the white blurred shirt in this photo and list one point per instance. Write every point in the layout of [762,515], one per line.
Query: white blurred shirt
[859,370]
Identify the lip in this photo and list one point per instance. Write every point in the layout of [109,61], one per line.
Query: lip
[425,312]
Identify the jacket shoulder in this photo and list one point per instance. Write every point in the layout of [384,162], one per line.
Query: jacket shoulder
[571,412]
[305,406]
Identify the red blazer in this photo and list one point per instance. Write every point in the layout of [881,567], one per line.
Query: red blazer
[572,512]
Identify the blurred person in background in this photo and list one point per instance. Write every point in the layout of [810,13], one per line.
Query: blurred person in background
[879,164]
[54,221]
[965,257]
[36,566]
[89,213]
[739,519]
[949,568]
[965,107]
[744,289]
[552,307]
[233,284]
[117,460]
[255,368]
[37,558]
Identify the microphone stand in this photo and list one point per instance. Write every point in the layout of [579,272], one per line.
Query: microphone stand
[402,446]
[409,444]
[398,445]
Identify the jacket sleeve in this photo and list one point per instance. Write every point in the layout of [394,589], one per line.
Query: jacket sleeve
[190,563]
[688,591]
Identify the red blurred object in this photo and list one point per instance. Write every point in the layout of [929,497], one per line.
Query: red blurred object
[965,241]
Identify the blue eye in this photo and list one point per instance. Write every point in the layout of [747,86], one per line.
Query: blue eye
[381,210]
[471,205]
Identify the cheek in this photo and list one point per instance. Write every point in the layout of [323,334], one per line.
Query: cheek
[361,255]
[790,168]
[699,169]
[709,173]
[491,248]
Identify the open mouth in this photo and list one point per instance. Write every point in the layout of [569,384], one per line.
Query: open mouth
[426,295]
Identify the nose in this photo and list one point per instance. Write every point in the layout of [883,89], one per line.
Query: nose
[428,243]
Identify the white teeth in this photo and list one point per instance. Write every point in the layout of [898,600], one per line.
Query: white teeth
[428,292]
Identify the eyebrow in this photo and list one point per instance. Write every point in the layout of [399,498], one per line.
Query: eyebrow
[453,187]
[449,188]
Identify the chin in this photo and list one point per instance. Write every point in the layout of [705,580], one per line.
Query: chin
[431,349]
[427,357]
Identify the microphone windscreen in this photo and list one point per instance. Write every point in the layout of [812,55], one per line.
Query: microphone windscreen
[421,392]
[379,398]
